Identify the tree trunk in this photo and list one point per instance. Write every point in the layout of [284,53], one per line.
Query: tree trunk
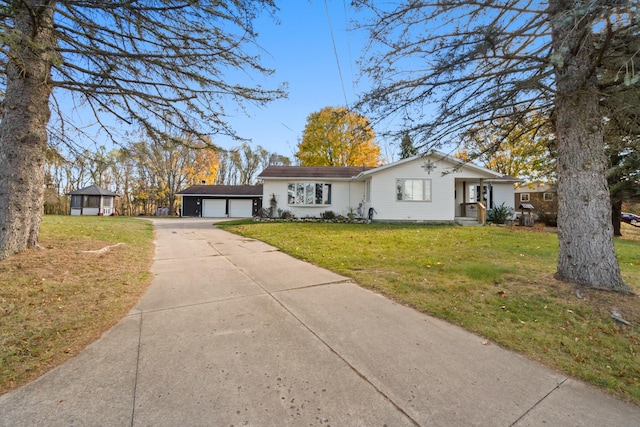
[172,204]
[587,255]
[23,129]
[616,213]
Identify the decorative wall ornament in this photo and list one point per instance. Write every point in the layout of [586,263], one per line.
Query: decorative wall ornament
[428,166]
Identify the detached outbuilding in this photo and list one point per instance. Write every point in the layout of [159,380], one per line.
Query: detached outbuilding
[221,201]
[92,200]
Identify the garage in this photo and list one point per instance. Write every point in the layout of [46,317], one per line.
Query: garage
[220,201]
[214,208]
[240,208]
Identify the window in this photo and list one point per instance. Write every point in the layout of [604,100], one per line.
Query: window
[547,197]
[108,202]
[308,193]
[415,190]
[524,197]
[76,201]
[91,202]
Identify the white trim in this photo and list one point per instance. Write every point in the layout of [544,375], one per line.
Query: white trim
[307,178]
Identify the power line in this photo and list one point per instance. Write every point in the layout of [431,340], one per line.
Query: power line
[347,31]
[335,51]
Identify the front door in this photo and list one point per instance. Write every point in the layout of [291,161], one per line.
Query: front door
[487,195]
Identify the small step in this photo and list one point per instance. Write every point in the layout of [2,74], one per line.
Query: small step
[467,221]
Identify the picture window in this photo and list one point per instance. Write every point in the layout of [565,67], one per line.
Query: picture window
[308,193]
[413,190]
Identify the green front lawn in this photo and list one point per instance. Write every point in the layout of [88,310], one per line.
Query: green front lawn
[495,281]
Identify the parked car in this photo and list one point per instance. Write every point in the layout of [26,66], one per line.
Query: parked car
[630,218]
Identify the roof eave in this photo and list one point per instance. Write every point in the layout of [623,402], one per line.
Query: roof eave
[324,178]
[217,195]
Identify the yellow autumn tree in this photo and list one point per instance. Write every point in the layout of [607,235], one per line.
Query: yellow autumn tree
[336,136]
[524,148]
[165,167]
[206,163]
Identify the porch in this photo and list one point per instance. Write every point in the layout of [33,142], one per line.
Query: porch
[474,196]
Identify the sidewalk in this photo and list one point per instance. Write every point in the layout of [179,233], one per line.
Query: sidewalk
[234,332]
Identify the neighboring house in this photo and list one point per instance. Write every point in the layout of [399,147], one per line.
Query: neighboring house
[92,200]
[435,187]
[542,195]
[221,201]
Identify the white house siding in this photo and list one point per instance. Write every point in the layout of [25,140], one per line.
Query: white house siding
[344,195]
[503,193]
[384,197]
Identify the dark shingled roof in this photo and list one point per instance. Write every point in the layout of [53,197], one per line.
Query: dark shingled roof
[223,190]
[343,172]
[92,190]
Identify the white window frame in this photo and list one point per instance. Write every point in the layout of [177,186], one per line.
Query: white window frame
[525,197]
[305,193]
[403,184]
[547,197]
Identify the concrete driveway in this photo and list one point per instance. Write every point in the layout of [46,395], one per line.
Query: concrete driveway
[233,332]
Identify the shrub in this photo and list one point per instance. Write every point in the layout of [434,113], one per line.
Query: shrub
[328,215]
[549,219]
[351,214]
[499,214]
[286,215]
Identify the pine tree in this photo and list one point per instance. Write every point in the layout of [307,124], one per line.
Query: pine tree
[406,147]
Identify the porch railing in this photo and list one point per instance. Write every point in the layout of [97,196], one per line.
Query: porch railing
[482,213]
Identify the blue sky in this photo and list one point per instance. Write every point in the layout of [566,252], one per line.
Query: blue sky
[301,51]
[298,45]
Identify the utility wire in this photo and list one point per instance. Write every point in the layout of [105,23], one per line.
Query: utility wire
[347,30]
[335,51]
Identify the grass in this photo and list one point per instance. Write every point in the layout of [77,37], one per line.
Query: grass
[56,301]
[495,281]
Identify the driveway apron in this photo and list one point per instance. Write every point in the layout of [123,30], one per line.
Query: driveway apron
[234,332]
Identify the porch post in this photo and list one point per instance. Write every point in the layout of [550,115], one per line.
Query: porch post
[464,191]
[482,211]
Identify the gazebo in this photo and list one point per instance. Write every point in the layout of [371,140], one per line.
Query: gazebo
[92,200]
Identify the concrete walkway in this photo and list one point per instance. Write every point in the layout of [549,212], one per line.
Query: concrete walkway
[233,332]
